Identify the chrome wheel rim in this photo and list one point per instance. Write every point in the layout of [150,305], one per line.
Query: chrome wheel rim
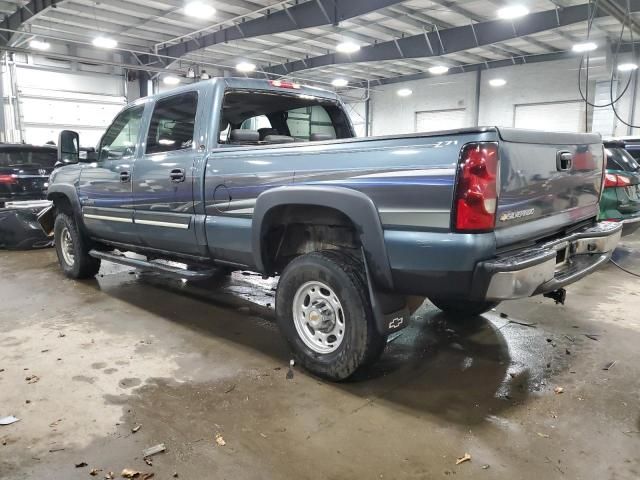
[318,317]
[66,246]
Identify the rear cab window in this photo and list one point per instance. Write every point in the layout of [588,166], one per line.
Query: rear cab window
[264,118]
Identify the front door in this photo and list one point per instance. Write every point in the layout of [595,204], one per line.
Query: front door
[105,188]
[163,180]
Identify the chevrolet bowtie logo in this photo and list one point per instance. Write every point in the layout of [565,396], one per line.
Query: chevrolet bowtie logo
[395,323]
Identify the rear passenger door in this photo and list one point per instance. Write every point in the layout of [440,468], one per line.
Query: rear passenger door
[164,176]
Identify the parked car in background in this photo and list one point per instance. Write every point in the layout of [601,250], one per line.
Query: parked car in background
[621,195]
[24,171]
[630,144]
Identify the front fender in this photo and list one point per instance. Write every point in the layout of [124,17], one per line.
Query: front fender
[358,207]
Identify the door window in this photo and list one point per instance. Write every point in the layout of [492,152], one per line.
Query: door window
[122,136]
[173,123]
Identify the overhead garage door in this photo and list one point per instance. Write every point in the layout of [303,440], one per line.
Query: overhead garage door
[55,101]
[555,116]
[435,120]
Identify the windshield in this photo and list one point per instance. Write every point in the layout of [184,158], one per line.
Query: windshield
[21,157]
[620,159]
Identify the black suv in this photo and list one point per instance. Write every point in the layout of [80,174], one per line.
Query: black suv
[24,171]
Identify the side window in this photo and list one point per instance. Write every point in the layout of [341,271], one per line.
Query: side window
[256,123]
[304,122]
[172,123]
[121,137]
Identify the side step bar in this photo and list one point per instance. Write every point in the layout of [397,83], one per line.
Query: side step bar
[157,267]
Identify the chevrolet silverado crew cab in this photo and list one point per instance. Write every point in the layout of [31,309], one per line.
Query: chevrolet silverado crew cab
[267,176]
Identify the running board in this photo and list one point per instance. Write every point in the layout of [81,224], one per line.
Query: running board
[156,267]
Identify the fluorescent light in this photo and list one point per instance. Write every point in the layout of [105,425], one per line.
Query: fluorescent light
[404,92]
[340,82]
[584,47]
[199,9]
[171,80]
[245,67]
[497,82]
[104,42]
[438,70]
[39,45]
[347,47]
[627,67]
[512,11]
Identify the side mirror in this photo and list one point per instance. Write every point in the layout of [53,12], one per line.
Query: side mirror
[88,155]
[68,147]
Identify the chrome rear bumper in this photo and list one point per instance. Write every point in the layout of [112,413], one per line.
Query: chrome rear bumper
[549,266]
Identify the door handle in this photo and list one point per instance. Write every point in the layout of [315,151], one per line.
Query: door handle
[564,160]
[177,175]
[125,177]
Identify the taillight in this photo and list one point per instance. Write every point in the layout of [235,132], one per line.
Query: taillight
[476,195]
[8,179]
[613,180]
[284,84]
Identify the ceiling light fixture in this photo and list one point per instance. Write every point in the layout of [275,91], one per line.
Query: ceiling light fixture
[512,11]
[347,47]
[171,80]
[627,67]
[199,9]
[104,42]
[340,82]
[39,44]
[497,82]
[438,70]
[245,67]
[584,47]
[404,92]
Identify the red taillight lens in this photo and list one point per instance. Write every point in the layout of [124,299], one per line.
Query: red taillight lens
[8,179]
[284,84]
[612,180]
[477,189]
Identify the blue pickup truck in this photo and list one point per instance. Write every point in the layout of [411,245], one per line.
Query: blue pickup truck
[267,176]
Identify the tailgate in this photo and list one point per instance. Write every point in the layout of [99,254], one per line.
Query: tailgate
[548,183]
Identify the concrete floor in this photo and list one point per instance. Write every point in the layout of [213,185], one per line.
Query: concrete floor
[191,362]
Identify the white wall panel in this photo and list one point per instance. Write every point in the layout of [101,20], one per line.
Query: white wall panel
[435,120]
[555,116]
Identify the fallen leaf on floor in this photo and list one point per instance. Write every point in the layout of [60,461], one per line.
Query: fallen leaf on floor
[32,379]
[95,472]
[148,462]
[230,389]
[81,464]
[609,365]
[55,422]
[220,441]
[109,476]
[485,466]
[263,435]
[136,428]
[558,390]
[153,450]
[465,458]
[130,473]
[543,435]
[8,420]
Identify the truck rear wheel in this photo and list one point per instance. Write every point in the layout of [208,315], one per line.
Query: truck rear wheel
[73,250]
[463,308]
[323,310]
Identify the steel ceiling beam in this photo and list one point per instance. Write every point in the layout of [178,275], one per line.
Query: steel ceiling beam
[452,40]
[314,13]
[22,15]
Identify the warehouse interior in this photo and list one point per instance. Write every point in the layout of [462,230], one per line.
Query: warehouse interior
[94,373]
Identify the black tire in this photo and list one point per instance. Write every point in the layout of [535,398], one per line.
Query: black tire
[362,344]
[82,265]
[460,308]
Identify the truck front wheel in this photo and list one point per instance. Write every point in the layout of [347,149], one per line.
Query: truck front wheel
[463,308]
[73,250]
[323,310]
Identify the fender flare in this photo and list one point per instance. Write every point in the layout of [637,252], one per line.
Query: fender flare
[355,205]
[70,192]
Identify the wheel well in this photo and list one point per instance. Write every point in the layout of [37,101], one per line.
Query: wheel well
[292,230]
[62,203]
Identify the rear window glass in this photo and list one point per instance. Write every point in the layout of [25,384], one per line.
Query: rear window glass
[15,158]
[620,159]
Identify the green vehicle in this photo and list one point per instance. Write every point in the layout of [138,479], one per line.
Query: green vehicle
[621,195]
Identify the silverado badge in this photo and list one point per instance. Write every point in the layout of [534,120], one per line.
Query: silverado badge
[505,217]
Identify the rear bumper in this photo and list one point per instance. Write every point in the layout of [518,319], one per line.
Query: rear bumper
[548,267]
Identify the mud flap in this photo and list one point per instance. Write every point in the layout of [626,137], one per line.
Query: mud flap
[389,309]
